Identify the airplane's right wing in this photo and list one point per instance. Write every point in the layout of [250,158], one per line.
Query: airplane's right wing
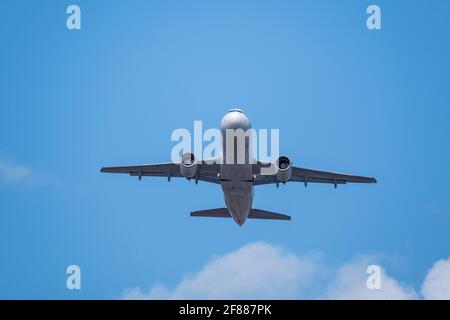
[205,172]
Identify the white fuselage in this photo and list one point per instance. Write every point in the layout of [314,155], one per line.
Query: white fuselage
[236,177]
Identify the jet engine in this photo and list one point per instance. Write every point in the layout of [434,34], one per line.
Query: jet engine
[188,165]
[284,167]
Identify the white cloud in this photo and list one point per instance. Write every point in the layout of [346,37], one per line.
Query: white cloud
[263,271]
[437,281]
[255,271]
[350,283]
[13,173]
[10,172]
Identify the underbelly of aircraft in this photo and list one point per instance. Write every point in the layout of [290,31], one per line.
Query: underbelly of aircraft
[238,190]
[238,199]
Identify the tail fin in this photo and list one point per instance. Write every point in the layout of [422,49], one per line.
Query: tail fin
[254,214]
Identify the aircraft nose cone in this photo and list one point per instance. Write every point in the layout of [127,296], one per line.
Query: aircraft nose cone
[235,119]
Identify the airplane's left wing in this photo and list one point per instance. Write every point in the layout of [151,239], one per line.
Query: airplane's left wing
[205,172]
[313,176]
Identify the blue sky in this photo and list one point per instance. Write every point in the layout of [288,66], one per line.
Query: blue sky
[345,99]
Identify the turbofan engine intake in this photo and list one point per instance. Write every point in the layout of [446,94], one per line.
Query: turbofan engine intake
[188,165]
[284,167]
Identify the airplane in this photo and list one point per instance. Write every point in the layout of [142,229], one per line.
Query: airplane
[237,180]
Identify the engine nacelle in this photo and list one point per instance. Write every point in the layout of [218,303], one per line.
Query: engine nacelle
[188,165]
[284,167]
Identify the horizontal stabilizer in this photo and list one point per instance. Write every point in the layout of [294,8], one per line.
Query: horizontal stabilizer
[212,213]
[261,214]
[254,214]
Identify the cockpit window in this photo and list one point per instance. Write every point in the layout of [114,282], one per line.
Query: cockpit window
[236,110]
